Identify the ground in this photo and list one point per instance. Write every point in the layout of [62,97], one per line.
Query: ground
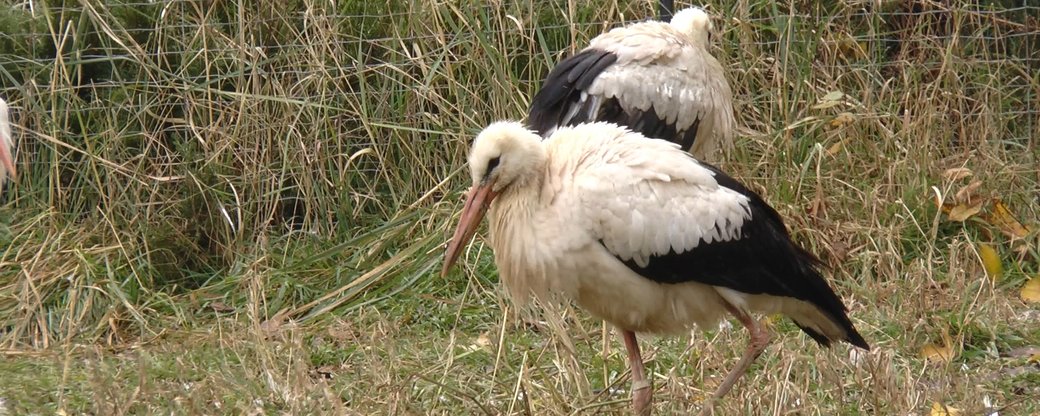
[247,216]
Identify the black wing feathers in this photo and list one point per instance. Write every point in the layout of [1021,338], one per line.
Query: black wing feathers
[763,261]
[561,97]
[563,87]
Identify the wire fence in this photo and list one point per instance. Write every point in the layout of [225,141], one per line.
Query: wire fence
[183,77]
[878,35]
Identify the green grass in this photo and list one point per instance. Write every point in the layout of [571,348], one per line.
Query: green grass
[242,210]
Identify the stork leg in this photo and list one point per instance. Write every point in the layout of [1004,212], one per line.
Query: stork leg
[760,339]
[642,391]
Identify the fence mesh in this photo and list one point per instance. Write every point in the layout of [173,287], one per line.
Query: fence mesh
[98,47]
[197,129]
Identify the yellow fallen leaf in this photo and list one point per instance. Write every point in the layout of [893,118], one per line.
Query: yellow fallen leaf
[1002,218]
[937,353]
[962,212]
[1031,291]
[942,353]
[849,47]
[991,261]
[1035,358]
[842,120]
[834,148]
[939,409]
[954,174]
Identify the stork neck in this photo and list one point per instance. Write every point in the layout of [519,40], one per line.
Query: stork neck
[514,230]
[521,197]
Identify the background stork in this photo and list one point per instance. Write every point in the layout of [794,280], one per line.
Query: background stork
[6,144]
[656,78]
[665,9]
[642,235]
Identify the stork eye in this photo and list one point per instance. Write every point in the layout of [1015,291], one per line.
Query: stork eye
[492,164]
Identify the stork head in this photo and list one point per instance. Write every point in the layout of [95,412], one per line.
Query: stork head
[6,142]
[504,155]
[695,23]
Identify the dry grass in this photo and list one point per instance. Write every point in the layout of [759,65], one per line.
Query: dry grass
[244,216]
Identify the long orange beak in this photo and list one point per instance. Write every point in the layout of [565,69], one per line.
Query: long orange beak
[5,156]
[477,202]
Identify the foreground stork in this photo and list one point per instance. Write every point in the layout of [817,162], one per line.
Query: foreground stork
[642,235]
[6,143]
[656,78]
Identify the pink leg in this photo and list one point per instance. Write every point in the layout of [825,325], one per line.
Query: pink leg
[759,341]
[642,391]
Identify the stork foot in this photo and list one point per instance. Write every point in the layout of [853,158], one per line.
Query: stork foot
[760,339]
[642,396]
[642,389]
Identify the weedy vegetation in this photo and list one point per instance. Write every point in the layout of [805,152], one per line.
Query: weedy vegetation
[226,207]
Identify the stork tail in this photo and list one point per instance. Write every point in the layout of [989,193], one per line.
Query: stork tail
[665,8]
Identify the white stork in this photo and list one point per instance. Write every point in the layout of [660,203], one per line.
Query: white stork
[6,143]
[642,235]
[656,78]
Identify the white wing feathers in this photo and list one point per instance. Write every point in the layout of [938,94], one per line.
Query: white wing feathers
[657,66]
[642,43]
[646,199]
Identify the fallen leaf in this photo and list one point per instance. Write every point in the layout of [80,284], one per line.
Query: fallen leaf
[842,120]
[483,340]
[326,372]
[987,404]
[962,212]
[1021,250]
[1002,218]
[825,105]
[967,193]
[839,251]
[939,409]
[938,199]
[1031,291]
[955,174]
[221,307]
[834,148]
[271,326]
[857,355]
[1021,352]
[991,261]
[850,47]
[942,353]
[937,353]
[817,207]
[833,96]
[830,100]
